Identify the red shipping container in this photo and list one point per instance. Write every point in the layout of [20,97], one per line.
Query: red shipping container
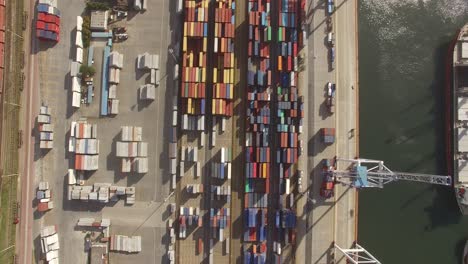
[40,25]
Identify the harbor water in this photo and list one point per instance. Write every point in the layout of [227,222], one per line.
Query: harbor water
[402,59]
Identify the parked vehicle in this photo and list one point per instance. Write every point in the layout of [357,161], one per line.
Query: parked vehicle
[332,57]
[330,7]
[330,39]
[120,37]
[328,182]
[119,30]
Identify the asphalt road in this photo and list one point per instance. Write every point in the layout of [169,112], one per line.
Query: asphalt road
[31,102]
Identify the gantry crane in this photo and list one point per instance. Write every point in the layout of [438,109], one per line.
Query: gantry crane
[366,173]
[373,173]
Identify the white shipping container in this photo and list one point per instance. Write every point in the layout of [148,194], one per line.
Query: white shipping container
[229,171]
[202,139]
[126,165]
[198,169]
[223,124]
[174,181]
[179,6]
[79,23]
[158,77]
[287,186]
[71,144]
[142,149]
[71,177]
[46,144]
[112,91]
[142,165]
[47,127]
[114,107]
[174,118]
[213,139]
[181,169]
[176,72]
[173,166]
[72,128]
[76,99]
[137,133]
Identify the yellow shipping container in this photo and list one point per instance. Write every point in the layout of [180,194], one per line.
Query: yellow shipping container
[205,44]
[213,109]
[184,44]
[232,75]
[190,59]
[200,59]
[187,74]
[203,74]
[232,60]
[189,105]
[226,76]
[215,75]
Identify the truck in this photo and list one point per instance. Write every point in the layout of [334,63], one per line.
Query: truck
[332,58]
[328,182]
[330,7]
[330,39]
[330,100]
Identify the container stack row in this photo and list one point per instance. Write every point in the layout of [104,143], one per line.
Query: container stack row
[255,254]
[132,150]
[189,217]
[48,21]
[223,57]
[46,129]
[173,156]
[289,113]
[130,244]
[87,221]
[285,222]
[84,143]
[258,131]
[220,219]
[101,192]
[115,65]
[194,60]
[255,224]
[50,244]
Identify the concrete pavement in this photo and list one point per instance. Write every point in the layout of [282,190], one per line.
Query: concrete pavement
[322,222]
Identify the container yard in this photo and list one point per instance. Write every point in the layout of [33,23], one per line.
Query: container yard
[170,192]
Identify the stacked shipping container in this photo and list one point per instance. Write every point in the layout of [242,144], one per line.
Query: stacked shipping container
[46,129]
[84,143]
[288,115]
[48,21]
[223,68]
[258,150]
[132,150]
[220,219]
[194,55]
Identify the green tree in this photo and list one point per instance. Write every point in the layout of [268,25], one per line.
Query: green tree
[87,70]
[86,31]
[97,6]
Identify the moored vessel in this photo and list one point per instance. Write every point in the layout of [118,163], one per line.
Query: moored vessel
[457,118]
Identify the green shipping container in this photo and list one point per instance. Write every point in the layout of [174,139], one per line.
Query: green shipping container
[186,92]
[280,33]
[269,33]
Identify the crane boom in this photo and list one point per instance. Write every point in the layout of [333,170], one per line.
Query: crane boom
[379,175]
